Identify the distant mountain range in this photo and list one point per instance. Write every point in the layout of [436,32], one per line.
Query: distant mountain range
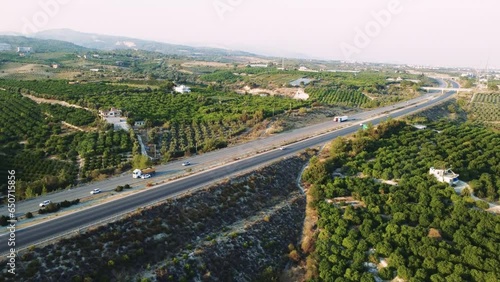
[11,42]
[108,42]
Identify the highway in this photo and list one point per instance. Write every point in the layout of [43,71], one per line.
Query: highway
[62,224]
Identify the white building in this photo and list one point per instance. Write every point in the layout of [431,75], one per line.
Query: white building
[25,50]
[139,123]
[302,68]
[111,113]
[182,89]
[444,175]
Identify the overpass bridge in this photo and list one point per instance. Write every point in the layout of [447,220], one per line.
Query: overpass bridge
[445,89]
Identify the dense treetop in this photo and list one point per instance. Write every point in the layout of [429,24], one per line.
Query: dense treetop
[421,228]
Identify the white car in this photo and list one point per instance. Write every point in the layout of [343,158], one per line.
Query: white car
[282,148]
[186,163]
[44,203]
[144,176]
[95,191]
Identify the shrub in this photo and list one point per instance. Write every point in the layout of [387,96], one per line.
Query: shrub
[294,256]
[50,208]
[119,188]
[3,220]
[54,207]
[65,204]
[29,215]
[482,205]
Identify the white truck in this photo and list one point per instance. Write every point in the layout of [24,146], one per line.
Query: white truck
[340,118]
[139,173]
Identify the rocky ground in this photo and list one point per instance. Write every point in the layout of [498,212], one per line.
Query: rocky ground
[239,230]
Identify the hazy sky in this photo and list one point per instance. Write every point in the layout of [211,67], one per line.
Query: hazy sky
[423,32]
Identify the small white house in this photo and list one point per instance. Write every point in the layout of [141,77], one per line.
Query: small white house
[182,89]
[139,123]
[302,68]
[111,113]
[444,175]
[25,50]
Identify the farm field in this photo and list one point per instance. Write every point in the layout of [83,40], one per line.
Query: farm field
[343,97]
[45,154]
[486,107]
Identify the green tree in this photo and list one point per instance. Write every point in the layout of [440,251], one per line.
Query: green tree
[167,87]
[140,162]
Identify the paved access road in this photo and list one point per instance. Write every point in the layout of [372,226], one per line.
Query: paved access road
[63,224]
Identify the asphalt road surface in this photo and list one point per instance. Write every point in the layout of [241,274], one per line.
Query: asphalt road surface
[68,223]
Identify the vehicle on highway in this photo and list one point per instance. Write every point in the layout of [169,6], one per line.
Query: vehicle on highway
[95,191]
[186,163]
[138,173]
[44,203]
[282,148]
[340,119]
[144,176]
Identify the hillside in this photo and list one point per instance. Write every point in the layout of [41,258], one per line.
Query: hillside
[108,42]
[10,43]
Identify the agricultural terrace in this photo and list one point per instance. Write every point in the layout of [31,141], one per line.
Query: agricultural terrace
[342,97]
[486,107]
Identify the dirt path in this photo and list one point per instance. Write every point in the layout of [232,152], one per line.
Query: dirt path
[473,98]
[464,185]
[81,163]
[54,102]
[73,126]
[369,97]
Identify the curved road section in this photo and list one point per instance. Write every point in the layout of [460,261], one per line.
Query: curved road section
[75,221]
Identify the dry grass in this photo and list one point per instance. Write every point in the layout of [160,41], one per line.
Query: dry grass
[206,64]
[434,233]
